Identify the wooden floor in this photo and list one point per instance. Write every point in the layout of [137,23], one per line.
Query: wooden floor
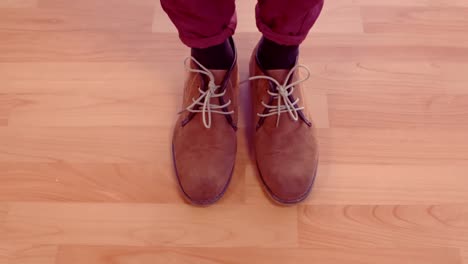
[89,92]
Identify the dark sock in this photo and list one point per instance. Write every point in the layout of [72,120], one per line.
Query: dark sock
[219,57]
[275,56]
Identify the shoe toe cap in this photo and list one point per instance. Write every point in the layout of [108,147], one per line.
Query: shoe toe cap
[288,184]
[295,189]
[203,181]
[203,191]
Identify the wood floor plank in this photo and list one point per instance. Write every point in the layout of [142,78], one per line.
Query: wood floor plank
[99,107]
[148,144]
[74,182]
[94,110]
[385,39]
[3,212]
[341,184]
[150,224]
[85,145]
[132,79]
[363,226]
[7,103]
[83,46]
[161,22]
[464,255]
[339,16]
[118,7]
[402,111]
[89,93]
[121,19]
[364,79]
[55,15]
[427,20]
[317,105]
[87,183]
[18,3]
[27,254]
[86,46]
[119,80]
[413,3]
[146,255]
[89,71]
[393,146]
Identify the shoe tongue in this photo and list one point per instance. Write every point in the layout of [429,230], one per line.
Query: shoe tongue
[219,75]
[279,75]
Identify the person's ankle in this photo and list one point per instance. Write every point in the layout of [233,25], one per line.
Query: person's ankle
[217,57]
[274,56]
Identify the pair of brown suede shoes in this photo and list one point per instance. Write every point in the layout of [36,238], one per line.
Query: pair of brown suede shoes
[205,142]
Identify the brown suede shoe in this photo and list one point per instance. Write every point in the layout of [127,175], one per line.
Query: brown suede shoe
[204,143]
[285,144]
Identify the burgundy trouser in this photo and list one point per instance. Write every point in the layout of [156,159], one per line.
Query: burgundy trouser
[205,23]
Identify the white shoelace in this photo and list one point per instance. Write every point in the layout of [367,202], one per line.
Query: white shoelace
[207,108]
[283,91]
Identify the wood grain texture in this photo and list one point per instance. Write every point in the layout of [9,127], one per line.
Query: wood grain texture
[393,146]
[89,93]
[377,184]
[398,111]
[339,16]
[18,3]
[51,109]
[146,144]
[68,19]
[136,46]
[150,224]
[365,226]
[413,3]
[27,254]
[98,182]
[393,79]
[147,255]
[103,144]
[88,78]
[464,256]
[3,212]
[428,20]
